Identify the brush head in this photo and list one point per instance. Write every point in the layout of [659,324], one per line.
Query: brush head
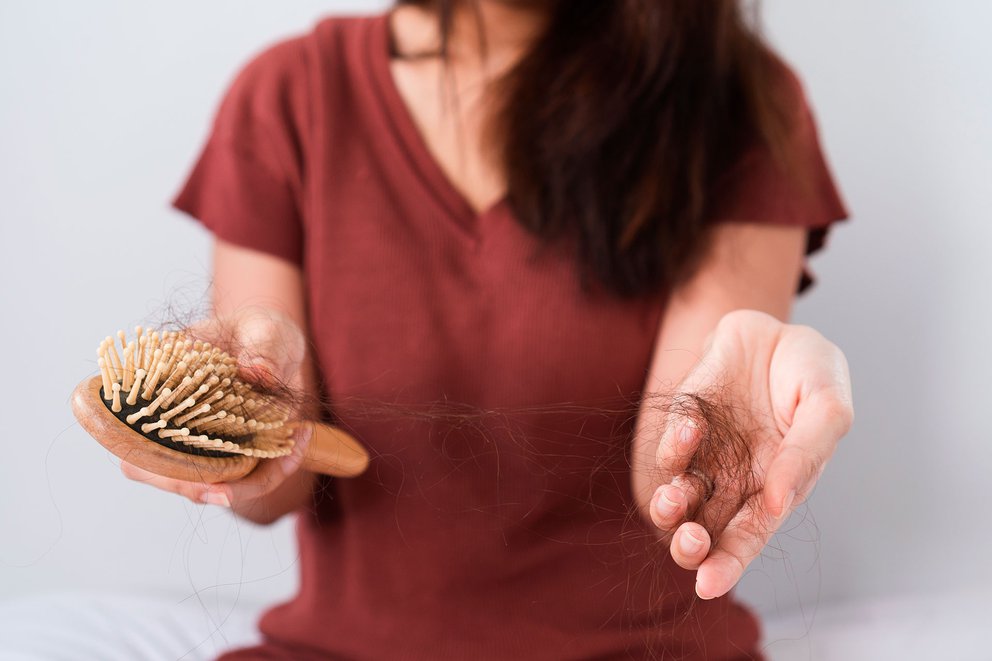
[176,406]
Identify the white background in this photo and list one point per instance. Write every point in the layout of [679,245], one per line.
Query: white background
[103,105]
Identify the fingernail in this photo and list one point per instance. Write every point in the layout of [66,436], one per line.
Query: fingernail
[218,498]
[700,593]
[787,504]
[668,502]
[689,544]
[687,431]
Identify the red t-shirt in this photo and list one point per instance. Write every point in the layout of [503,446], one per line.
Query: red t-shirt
[503,529]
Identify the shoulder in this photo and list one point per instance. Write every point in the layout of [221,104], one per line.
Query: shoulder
[270,89]
[279,79]
[288,57]
[780,175]
[787,92]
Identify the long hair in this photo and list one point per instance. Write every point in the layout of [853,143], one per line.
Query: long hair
[616,125]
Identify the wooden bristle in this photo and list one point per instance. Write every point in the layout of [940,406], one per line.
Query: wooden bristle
[116,407]
[132,398]
[155,367]
[149,427]
[152,352]
[188,391]
[114,359]
[105,376]
[128,368]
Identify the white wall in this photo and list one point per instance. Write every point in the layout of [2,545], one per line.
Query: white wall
[904,98]
[104,103]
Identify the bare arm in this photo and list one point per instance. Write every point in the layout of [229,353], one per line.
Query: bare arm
[244,278]
[792,379]
[247,279]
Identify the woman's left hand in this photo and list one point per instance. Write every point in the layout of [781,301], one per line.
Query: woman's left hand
[796,385]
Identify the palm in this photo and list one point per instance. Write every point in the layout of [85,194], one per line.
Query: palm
[788,392]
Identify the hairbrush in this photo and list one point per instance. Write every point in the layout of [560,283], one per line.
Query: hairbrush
[176,406]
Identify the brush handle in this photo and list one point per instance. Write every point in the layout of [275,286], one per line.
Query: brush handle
[334,452]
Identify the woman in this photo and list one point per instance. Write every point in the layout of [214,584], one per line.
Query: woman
[519,208]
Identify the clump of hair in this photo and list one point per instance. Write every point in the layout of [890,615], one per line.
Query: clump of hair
[722,467]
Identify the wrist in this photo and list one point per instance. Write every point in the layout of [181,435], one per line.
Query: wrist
[294,493]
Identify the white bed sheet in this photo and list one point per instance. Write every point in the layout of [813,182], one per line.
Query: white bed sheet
[953,626]
[107,627]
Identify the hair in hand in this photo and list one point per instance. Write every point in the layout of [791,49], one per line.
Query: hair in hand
[722,468]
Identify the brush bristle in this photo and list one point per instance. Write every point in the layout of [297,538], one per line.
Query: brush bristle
[188,392]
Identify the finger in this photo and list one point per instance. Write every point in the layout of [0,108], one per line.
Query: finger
[668,507]
[253,365]
[267,345]
[690,545]
[198,492]
[675,502]
[271,347]
[271,473]
[726,493]
[740,543]
[820,421]
[677,445]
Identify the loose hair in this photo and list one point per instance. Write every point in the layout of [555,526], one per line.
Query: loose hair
[615,127]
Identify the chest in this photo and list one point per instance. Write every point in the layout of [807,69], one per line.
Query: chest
[409,303]
[450,110]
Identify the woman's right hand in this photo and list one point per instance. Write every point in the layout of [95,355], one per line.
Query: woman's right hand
[270,349]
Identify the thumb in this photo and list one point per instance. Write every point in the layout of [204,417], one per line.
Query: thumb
[269,346]
[820,421]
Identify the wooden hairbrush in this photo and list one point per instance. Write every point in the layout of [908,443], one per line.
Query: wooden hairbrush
[177,407]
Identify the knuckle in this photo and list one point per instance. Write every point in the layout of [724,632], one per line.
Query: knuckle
[807,463]
[811,474]
[805,455]
[808,332]
[736,320]
[732,322]
[840,413]
[737,565]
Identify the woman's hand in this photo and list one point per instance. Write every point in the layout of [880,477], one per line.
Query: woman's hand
[794,385]
[270,350]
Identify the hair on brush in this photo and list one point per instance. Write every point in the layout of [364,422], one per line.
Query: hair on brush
[176,406]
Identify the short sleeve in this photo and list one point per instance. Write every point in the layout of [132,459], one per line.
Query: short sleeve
[795,188]
[247,183]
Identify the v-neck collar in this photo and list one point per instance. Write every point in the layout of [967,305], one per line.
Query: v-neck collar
[409,138]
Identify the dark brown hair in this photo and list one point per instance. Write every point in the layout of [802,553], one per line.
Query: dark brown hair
[618,123]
